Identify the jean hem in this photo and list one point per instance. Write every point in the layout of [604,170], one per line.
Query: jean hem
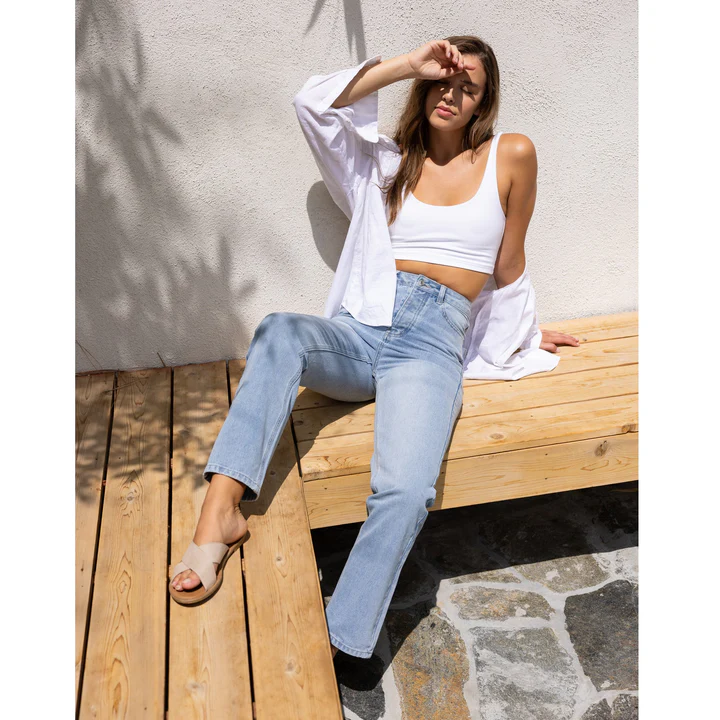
[252,489]
[340,645]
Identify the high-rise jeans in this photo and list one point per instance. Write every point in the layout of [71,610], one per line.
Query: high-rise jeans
[413,369]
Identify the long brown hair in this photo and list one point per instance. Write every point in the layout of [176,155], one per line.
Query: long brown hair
[411,132]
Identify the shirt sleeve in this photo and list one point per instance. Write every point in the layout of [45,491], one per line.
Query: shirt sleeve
[340,139]
[503,320]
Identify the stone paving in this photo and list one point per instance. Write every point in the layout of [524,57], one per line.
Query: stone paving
[517,610]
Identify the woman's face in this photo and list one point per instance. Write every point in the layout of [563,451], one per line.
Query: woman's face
[460,94]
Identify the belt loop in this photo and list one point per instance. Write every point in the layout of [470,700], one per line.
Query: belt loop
[441,294]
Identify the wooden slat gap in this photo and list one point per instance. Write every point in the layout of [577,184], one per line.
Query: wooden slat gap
[171,432]
[98,529]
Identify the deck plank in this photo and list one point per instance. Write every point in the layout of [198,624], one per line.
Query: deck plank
[490,478]
[125,668]
[209,657]
[93,405]
[293,671]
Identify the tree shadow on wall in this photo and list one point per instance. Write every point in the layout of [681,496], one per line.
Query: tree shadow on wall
[139,302]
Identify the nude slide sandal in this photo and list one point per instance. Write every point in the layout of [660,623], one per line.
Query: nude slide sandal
[200,559]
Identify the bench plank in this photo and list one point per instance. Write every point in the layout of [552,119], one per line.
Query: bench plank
[486,399]
[93,403]
[125,668]
[210,663]
[293,670]
[490,478]
[511,430]
[588,330]
[598,327]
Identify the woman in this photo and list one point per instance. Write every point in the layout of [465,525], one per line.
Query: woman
[436,213]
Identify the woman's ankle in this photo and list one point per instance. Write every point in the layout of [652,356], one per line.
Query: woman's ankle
[224,490]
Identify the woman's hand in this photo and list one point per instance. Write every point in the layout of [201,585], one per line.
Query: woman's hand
[438,59]
[552,338]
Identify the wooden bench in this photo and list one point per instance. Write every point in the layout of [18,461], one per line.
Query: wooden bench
[567,429]
[260,647]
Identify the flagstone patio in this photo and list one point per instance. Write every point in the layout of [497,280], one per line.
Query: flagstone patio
[523,609]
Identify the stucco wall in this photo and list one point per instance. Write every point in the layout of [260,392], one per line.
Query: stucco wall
[200,209]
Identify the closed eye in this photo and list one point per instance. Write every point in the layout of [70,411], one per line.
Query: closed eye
[465,87]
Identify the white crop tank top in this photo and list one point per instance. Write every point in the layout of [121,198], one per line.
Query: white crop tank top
[465,235]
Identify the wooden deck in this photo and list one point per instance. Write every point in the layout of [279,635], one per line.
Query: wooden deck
[259,648]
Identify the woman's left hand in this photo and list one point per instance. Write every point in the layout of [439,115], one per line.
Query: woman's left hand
[552,338]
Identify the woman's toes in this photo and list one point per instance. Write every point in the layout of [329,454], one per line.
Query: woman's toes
[191,581]
[179,581]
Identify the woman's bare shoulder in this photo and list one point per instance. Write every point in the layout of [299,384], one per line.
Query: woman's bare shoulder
[516,146]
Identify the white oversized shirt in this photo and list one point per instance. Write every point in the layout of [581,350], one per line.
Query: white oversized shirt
[347,149]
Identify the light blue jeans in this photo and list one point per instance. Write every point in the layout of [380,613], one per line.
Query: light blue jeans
[414,371]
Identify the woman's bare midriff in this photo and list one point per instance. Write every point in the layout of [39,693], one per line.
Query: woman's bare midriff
[467,282]
[464,175]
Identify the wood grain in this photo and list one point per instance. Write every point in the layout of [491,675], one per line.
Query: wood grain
[209,655]
[490,478]
[125,667]
[93,404]
[293,671]
[511,430]
[478,400]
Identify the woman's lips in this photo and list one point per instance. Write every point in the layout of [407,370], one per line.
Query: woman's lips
[444,112]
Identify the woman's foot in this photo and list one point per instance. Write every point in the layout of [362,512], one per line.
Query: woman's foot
[220,521]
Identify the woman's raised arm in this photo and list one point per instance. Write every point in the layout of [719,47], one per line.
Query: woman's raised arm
[373,77]
[338,114]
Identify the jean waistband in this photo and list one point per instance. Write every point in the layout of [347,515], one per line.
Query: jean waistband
[442,292]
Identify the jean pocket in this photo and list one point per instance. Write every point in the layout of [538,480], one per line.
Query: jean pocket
[455,317]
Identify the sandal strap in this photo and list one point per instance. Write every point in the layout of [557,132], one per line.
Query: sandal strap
[200,559]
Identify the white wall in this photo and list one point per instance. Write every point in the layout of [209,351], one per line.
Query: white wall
[200,209]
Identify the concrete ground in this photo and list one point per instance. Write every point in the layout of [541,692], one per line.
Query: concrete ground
[517,610]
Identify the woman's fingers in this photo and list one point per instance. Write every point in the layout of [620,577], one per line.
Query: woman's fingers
[458,59]
[566,339]
[451,51]
[447,50]
[456,62]
[555,337]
